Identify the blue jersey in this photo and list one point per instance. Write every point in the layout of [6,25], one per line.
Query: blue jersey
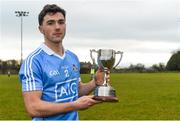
[57,77]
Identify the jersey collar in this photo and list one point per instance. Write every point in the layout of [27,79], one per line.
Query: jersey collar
[49,51]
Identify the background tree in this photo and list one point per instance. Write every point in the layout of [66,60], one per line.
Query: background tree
[11,66]
[158,67]
[137,68]
[85,67]
[174,62]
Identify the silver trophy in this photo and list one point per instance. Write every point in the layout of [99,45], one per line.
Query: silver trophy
[106,61]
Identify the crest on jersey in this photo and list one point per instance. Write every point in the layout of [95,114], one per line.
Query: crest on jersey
[75,68]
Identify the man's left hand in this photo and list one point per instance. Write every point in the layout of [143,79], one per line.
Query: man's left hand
[100,77]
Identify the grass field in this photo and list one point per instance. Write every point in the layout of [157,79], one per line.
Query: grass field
[148,96]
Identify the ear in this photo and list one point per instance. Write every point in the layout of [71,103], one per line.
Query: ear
[41,29]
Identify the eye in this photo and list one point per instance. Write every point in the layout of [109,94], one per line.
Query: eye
[50,22]
[61,22]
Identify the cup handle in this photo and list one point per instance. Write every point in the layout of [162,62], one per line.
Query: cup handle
[93,59]
[121,55]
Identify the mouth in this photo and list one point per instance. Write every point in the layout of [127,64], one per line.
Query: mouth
[57,34]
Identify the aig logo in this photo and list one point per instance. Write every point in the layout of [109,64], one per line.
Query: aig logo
[54,73]
[66,90]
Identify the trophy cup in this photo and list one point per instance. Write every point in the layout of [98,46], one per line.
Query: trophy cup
[106,61]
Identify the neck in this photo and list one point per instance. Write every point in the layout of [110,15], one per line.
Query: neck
[56,47]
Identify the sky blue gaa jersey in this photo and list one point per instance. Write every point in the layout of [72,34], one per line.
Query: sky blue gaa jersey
[57,77]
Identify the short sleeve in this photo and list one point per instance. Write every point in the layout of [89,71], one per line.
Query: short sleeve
[30,75]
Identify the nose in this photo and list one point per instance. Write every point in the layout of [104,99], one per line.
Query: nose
[57,25]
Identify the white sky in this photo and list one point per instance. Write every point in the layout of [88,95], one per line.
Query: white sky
[147,31]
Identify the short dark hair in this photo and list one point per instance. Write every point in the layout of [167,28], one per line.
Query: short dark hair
[53,8]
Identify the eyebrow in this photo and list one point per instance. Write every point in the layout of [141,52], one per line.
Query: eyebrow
[52,20]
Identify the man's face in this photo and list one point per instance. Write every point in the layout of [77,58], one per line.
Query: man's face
[53,27]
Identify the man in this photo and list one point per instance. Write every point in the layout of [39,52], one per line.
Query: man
[52,89]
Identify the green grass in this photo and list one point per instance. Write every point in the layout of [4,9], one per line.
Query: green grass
[149,96]
[11,101]
[141,96]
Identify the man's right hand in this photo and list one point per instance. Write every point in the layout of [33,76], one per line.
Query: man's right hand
[85,102]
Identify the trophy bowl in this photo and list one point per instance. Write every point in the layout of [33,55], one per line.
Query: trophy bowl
[106,61]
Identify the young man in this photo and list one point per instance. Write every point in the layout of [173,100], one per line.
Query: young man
[52,89]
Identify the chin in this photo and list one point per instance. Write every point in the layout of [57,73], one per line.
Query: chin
[57,41]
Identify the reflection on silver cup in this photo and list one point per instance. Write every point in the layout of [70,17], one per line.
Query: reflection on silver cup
[106,61]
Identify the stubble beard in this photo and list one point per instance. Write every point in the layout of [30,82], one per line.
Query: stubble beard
[55,40]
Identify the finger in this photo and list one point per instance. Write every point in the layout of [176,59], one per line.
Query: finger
[108,72]
[107,76]
[98,101]
[90,96]
[93,101]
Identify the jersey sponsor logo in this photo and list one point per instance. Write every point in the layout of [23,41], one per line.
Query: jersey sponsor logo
[66,90]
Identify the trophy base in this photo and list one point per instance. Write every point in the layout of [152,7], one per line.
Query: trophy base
[105,93]
[106,98]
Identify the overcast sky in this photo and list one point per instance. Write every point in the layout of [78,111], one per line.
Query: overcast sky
[147,31]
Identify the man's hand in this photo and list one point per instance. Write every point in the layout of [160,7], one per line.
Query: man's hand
[100,77]
[85,102]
